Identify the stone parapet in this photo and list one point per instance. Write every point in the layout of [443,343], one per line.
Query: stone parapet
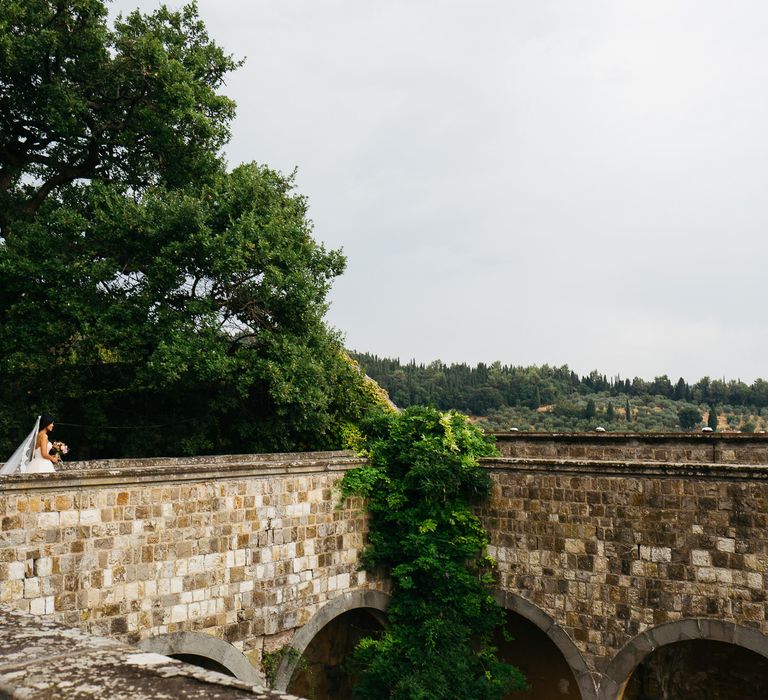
[637,542]
[246,549]
[727,448]
[610,550]
[596,467]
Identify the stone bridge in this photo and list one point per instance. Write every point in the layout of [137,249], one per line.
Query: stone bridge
[630,566]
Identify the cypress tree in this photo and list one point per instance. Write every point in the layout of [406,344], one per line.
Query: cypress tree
[610,413]
[712,419]
[627,412]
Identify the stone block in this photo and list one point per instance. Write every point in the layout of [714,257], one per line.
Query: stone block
[90,516]
[726,544]
[178,613]
[43,566]
[46,520]
[196,564]
[11,591]
[32,587]
[69,518]
[37,606]
[700,557]
[14,570]
[575,546]
[724,576]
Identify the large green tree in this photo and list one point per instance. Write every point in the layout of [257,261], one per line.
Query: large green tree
[146,293]
[136,104]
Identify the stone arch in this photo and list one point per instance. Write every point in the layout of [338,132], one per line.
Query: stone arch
[200,644]
[622,666]
[556,634]
[376,601]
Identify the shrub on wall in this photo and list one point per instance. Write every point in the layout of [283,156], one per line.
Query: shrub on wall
[420,481]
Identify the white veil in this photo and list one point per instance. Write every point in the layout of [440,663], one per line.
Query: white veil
[19,460]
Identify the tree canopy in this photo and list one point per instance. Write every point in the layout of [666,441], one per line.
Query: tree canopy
[689,418]
[160,302]
[483,388]
[135,105]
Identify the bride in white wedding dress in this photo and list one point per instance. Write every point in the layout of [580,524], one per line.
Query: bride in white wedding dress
[33,455]
[42,459]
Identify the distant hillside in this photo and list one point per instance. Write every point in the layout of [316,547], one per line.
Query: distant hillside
[648,414]
[558,399]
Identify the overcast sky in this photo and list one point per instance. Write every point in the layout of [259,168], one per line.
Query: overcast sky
[573,181]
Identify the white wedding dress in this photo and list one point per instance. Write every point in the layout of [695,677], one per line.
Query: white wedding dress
[26,459]
[38,465]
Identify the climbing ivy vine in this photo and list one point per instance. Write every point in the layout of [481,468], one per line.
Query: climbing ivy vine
[419,482]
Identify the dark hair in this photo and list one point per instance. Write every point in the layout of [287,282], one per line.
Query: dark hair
[45,420]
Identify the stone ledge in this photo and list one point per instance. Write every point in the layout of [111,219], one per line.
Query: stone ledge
[634,437]
[206,460]
[177,470]
[42,659]
[586,467]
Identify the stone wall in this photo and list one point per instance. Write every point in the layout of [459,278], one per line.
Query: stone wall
[610,557]
[717,448]
[609,551]
[244,548]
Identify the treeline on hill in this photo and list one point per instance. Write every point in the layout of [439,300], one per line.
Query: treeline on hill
[557,398]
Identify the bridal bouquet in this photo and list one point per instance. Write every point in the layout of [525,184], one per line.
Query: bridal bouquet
[59,448]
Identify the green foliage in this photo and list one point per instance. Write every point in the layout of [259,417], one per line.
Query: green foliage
[650,414]
[555,398]
[689,418]
[271,660]
[590,411]
[203,309]
[419,483]
[712,418]
[485,389]
[136,104]
[170,306]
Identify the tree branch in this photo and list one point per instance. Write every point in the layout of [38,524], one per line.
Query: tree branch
[67,174]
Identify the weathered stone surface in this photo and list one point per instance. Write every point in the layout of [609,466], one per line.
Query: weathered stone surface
[610,550]
[612,545]
[42,659]
[242,549]
[720,448]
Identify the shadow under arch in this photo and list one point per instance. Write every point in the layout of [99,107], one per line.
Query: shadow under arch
[376,601]
[622,666]
[556,634]
[208,647]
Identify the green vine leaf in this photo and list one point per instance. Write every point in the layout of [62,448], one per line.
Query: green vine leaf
[428,526]
[419,485]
